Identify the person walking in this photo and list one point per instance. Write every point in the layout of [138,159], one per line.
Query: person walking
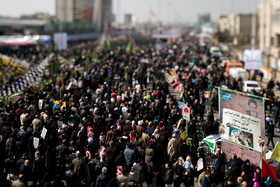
[275,113]
[270,133]
[172,148]
[169,174]
[139,174]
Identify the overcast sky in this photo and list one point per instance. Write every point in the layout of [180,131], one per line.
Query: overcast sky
[184,11]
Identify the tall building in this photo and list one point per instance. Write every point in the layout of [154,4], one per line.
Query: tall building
[103,14]
[69,11]
[64,10]
[265,13]
[269,32]
[127,19]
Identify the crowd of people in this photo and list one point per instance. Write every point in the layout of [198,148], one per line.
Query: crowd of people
[21,67]
[117,124]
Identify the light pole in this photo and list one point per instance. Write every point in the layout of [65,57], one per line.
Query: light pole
[253,31]
[254,24]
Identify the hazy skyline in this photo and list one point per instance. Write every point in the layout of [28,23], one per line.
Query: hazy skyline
[184,11]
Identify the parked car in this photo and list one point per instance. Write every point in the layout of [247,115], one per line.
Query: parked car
[215,51]
[249,85]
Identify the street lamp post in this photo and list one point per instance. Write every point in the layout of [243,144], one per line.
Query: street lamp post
[254,24]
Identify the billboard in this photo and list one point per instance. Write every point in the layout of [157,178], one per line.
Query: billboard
[241,129]
[204,20]
[60,40]
[243,121]
[253,59]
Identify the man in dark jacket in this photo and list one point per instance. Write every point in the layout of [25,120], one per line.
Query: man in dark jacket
[20,162]
[206,180]
[38,167]
[63,152]
[270,84]
[139,176]
[216,170]
[129,155]
[275,113]
[270,133]
[215,127]
[10,163]
[26,171]
[169,174]
[102,179]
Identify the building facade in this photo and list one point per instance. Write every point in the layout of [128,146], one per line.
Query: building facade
[127,19]
[239,27]
[64,11]
[69,11]
[269,32]
[103,14]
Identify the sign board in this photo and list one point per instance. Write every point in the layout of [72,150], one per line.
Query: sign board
[44,133]
[186,113]
[40,104]
[253,59]
[182,105]
[240,129]
[184,137]
[199,164]
[60,40]
[35,142]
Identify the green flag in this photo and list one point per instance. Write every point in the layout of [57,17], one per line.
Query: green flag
[108,44]
[129,46]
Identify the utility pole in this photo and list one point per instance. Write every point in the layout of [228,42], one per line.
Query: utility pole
[253,34]
[119,11]
[254,24]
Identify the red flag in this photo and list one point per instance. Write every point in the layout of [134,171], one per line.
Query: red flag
[268,171]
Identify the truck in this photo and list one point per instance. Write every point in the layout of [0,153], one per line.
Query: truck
[238,72]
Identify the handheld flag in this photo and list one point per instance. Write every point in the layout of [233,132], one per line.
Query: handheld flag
[108,44]
[276,153]
[268,171]
[63,107]
[71,124]
[129,47]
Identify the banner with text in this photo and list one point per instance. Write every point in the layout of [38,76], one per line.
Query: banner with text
[60,40]
[243,121]
[253,59]
[241,130]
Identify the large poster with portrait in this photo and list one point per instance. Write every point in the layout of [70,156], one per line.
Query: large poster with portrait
[242,116]
[241,129]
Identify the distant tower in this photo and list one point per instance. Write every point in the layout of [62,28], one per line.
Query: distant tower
[102,14]
[127,19]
